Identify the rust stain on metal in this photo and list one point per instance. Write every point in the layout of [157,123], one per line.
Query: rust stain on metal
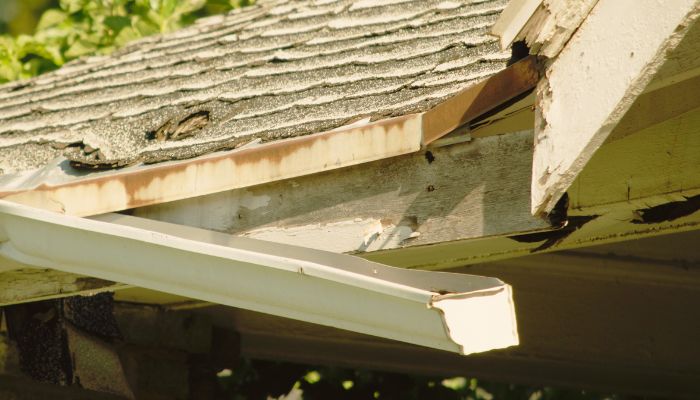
[153,184]
[157,183]
[480,98]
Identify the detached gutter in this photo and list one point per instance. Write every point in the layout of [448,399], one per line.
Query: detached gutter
[62,189]
[454,312]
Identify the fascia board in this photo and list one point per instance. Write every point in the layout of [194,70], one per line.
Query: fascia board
[513,19]
[60,188]
[594,81]
[454,312]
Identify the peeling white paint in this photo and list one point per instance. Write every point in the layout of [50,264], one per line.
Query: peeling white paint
[605,66]
[345,236]
[252,202]
[213,212]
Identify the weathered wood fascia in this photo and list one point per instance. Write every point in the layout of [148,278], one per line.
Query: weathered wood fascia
[29,284]
[545,25]
[591,84]
[60,189]
[638,184]
[464,203]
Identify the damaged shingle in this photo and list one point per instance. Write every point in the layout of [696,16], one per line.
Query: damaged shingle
[178,130]
[271,71]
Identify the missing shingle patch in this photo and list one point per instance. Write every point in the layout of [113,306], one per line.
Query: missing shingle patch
[186,127]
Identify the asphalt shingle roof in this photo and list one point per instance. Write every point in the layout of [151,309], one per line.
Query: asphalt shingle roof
[274,70]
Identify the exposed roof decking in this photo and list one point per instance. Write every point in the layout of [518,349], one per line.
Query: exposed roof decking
[266,72]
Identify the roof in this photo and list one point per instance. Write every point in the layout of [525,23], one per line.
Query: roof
[276,70]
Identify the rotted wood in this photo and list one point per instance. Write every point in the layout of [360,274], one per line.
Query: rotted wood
[469,202]
[30,284]
[470,190]
[579,102]
[545,25]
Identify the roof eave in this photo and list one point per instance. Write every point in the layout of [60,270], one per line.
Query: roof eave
[61,190]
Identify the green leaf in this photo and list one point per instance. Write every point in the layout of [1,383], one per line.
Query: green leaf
[241,3]
[54,54]
[79,48]
[125,36]
[73,6]
[81,27]
[36,66]
[117,23]
[145,27]
[189,6]
[166,8]
[29,48]
[10,66]
[50,18]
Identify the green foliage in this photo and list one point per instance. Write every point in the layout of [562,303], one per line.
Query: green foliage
[82,27]
[257,379]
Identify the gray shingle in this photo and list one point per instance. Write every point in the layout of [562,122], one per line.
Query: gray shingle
[275,70]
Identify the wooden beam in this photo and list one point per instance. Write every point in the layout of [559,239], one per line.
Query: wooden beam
[468,204]
[483,97]
[658,164]
[637,185]
[29,284]
[518,116]
[671,93]
[464,191]
[512,20]
[593,82]
[545,25]
[681,63]
[657,106]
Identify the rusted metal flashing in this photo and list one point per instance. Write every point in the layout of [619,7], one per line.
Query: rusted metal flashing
[143,185]
[153,184]
[469,104]
[256,80]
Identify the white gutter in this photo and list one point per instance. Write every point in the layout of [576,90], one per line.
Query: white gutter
[473,314]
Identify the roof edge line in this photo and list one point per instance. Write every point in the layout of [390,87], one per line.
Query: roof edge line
[144,185]
[476,100]
[138,186]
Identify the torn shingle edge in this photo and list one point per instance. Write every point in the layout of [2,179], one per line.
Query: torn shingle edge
[59,189]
